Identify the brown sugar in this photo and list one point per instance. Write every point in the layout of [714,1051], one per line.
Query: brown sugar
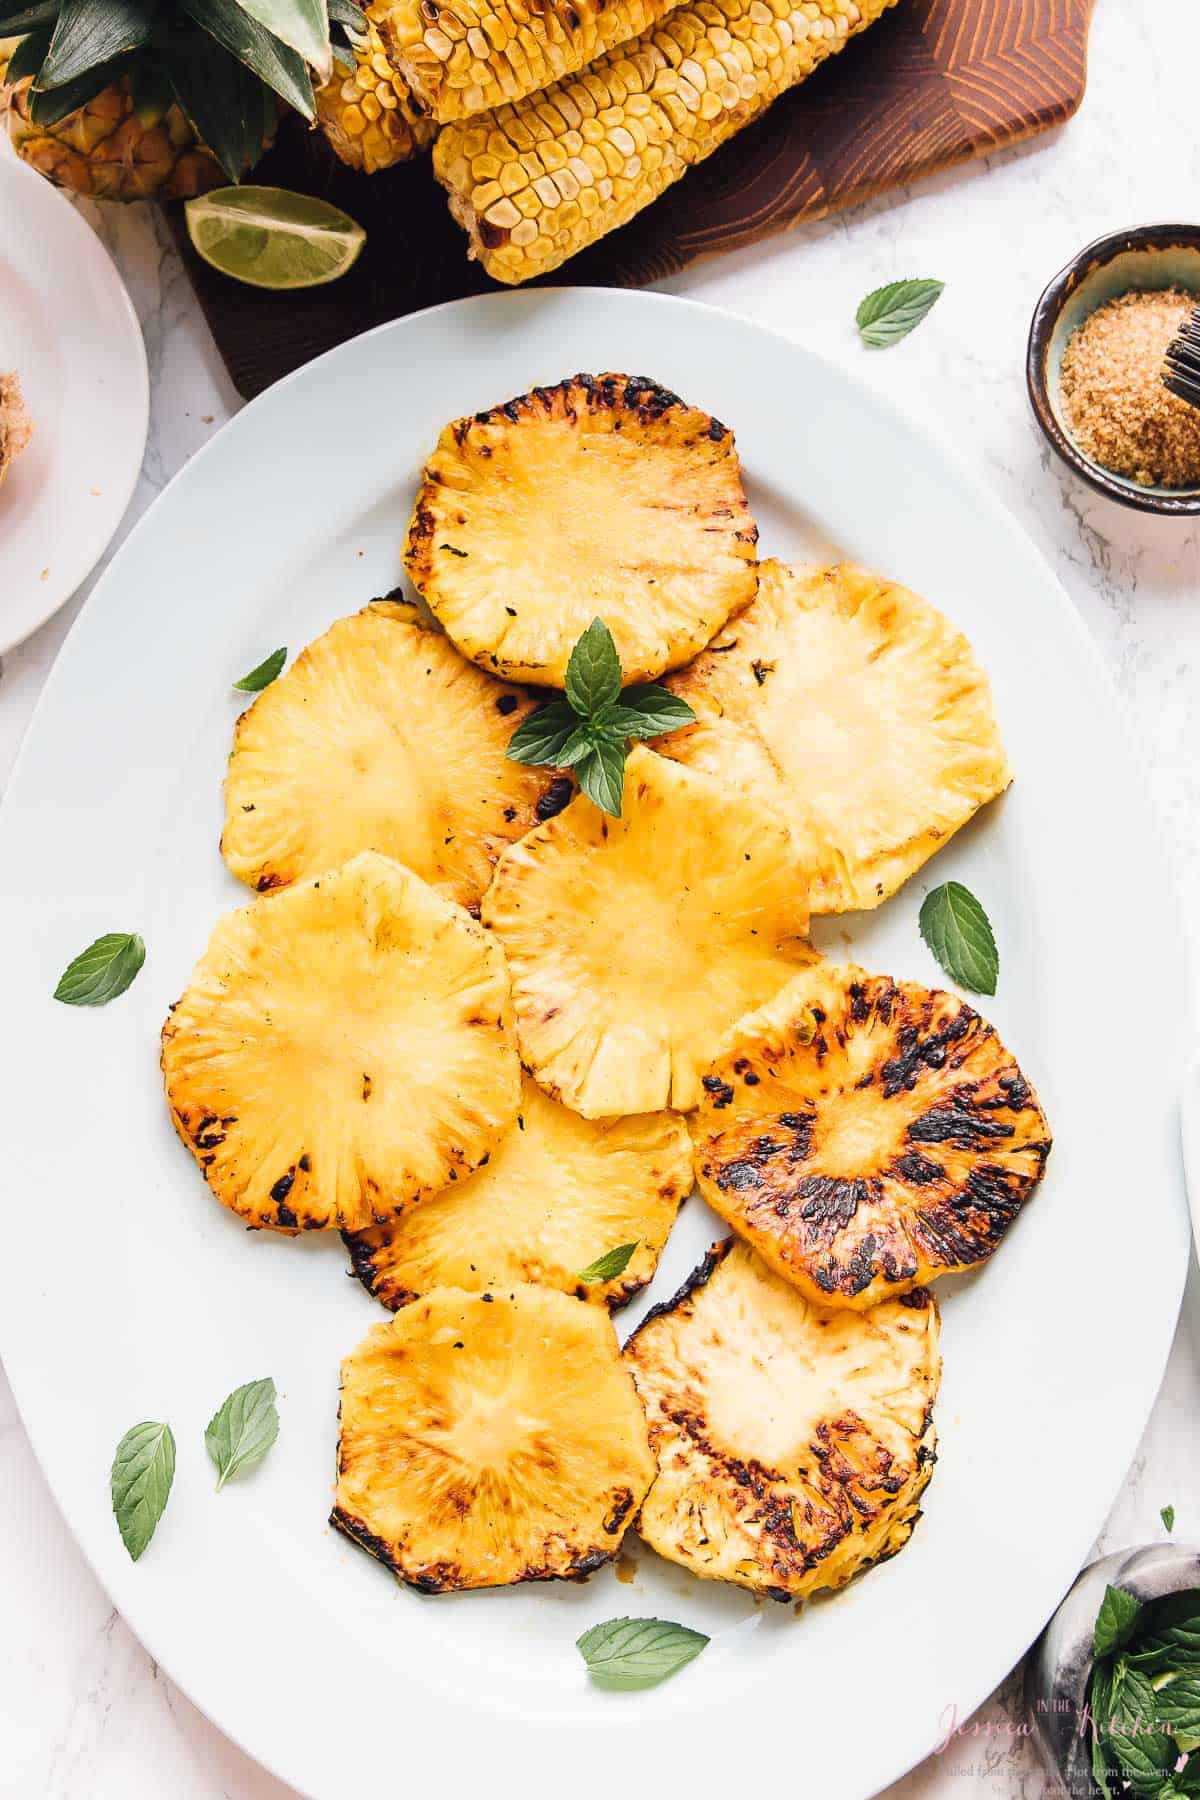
[1116,406]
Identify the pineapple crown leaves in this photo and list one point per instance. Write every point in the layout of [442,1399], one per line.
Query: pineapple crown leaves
[223,61]
[591,728]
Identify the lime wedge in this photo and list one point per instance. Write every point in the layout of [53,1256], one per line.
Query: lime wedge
[270,238]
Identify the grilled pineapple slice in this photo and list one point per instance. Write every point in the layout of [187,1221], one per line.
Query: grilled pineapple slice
[855,712]
[793,1442]
[379,737]
[558,1193]
[489,1439]
[635,943]
[604,496]
[343,1049]
[866,1135]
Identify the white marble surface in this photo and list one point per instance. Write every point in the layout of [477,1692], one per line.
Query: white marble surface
[84,1713]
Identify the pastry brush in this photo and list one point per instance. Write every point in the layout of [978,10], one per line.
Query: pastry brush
[1181,370]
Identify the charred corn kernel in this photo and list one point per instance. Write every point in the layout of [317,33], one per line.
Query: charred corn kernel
[486,52]
[368,113]
[647,112]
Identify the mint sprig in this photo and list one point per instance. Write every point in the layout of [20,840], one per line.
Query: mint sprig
[1144,1696]
[590,729]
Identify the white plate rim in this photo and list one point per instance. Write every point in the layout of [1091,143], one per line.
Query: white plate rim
[71,568]
[123,1590]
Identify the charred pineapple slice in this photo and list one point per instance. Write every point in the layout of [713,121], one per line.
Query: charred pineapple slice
[343,1049]
[604,497]
[379,737]
[856,712]
[793,1442]
[867,1135]
[558,1193]
[490,1438]
[635,943]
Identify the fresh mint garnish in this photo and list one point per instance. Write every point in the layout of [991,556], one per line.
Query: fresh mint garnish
[889,313]
[243,1429]
[264,674]
[590,729]
[959,934]
[610,1265]
[140,1482]
[627,1654]
[102,971]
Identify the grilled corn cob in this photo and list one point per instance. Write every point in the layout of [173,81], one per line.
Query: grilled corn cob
[472,54]
[368,113]
[533,183]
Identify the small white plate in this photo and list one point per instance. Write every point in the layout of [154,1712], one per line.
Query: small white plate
[68,328]
[127,1293]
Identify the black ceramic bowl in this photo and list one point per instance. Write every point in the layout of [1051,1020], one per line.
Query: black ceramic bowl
[1148,257]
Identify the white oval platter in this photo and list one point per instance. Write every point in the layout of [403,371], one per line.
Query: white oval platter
[127,1293]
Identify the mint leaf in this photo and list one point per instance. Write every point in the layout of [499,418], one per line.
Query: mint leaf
[102,971]
[243,1429]
[1167,1515]
[543,736]
[889,313]
[610,1265]
[1177,1704]
[647,710]
[1133,1702]
[1173,1625]
[1145,1758]
[264,674]
[140,1482]
[601,775]
[594,671]
[1100,1767]
[1115,1622]
[959,934]
[628,1654]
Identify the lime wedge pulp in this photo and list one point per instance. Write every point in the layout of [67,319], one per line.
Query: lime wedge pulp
[271,238]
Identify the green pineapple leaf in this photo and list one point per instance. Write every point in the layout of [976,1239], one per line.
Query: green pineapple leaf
[29,54]
[149,91]
[47,106]
[229,25]
[223,99]
[91,32]
[301,24]
[27,18]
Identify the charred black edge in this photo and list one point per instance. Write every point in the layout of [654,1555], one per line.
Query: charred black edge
[698,1278]
[579,1570]
[647,399]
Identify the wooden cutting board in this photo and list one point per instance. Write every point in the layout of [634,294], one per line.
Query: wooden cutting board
[933,83]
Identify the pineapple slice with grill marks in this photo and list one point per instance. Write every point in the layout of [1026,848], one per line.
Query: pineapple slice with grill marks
[605,496]
[488,1439]
[558,1193]
[854,710]
[635,943]
[343,1049]
[867,1135]
[380,737]
[793,1442]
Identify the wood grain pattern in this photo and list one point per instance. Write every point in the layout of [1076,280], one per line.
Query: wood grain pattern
[934,83]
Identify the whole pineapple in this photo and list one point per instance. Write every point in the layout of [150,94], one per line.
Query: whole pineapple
[155,99]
